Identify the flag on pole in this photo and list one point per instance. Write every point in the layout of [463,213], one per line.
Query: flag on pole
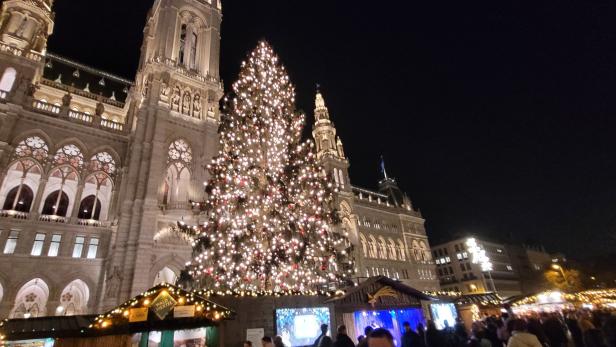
[383,171]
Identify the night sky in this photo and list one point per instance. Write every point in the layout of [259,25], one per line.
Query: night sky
[497,117]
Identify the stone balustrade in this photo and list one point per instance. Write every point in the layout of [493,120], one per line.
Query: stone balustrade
[14,214]
[34,56]
[105,123]
[54,219]
[46,107]
[84,117]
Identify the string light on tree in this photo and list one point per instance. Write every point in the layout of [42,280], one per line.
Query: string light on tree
[269,215]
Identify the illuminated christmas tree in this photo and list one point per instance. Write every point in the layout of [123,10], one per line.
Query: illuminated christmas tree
[270,222]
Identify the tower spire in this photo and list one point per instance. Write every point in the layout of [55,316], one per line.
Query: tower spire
[321,113]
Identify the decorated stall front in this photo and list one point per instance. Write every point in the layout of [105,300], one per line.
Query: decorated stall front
[380,302]
[555,301]
[164,316]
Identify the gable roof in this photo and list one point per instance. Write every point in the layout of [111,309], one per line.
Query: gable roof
[361,293]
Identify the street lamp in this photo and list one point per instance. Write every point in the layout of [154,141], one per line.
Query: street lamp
[562,272]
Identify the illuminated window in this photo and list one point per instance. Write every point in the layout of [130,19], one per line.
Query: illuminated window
[8,79]
[92,248]
[11,242]
[78,249]
[54,246]
[37,247]
[509,267]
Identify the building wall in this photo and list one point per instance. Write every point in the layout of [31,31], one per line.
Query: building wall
[457,272]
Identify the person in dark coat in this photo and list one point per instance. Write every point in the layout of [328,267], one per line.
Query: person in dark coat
[535,328]
[323,340]
[421,331]
[364,341]
[609,329]
[576,332]
[342,339]
[411,338]
[434,337]
[554,330]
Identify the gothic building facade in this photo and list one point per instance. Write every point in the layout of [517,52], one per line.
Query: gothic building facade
[94,168]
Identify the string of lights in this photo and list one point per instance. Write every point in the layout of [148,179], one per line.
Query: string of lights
[270,219]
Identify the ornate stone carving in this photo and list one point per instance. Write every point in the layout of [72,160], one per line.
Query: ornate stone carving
[186,104]
[197,106]
[113,283]
[175,100]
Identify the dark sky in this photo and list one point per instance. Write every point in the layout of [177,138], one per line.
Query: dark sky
[497,117]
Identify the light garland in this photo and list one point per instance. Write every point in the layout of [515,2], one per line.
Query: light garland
[203,307]
[270,215]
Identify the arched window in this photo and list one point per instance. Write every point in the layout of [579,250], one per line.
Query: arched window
[373,249]
[364,245]
[416,251]
[182,54]
[392,250]
[177,181]
[32,147]
[19,199]
[31,300]
[382,248]
[56,204]
[425,253]
[104,162]
[166,275]
[74,299]
[402,250]
[193,50]
[8,79]
[69,155]
[90,208]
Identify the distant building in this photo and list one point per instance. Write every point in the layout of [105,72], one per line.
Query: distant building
[457,272]
[531,264]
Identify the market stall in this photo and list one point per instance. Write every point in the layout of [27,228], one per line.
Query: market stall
[164,316]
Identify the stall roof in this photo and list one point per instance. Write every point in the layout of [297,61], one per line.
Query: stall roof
[44,327]
[370,291]
[164,307]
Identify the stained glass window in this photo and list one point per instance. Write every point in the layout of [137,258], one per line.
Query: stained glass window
[180,154]
[69,155]
[33,147]
[104,162]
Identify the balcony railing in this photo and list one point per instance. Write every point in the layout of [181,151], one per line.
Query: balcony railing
[89,222]
[55,219]
[14,214]
[20,52]
[46,107]
[105,123]
[84,117]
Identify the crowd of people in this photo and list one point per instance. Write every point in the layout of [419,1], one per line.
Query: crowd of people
[582,328]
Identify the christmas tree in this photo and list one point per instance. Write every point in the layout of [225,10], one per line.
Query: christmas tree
[270,222]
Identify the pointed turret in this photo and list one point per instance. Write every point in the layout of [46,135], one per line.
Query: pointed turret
[329,146]
[324,132]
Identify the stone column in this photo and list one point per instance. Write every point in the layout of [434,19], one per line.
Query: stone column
[36,204]
[77,202]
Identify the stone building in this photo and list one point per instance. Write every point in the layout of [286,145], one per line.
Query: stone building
[94,168]
[457,272]
[388,232]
